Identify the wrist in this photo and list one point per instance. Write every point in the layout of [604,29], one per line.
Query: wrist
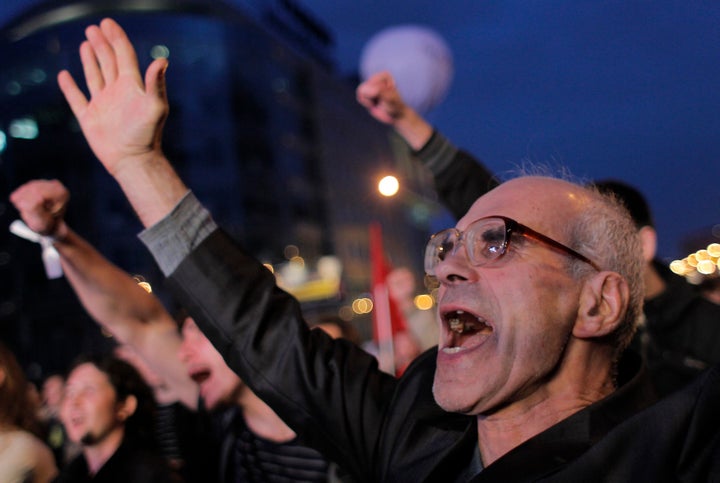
[130,165]
[151,185]
[413,129]
[60,233]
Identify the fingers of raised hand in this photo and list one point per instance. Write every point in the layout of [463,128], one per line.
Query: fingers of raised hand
[45,195]
[93,75]
[124,55]
[107,55]
[74,96]
[155,79]
[41,204]
[104,53]
[364,99]
[57,194]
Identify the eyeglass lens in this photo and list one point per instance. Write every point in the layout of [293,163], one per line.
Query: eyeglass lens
[484,240]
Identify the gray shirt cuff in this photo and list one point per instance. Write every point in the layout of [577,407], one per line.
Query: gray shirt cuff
[437,154]
[173,238]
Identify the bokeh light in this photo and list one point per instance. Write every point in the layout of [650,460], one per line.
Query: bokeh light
[388,186]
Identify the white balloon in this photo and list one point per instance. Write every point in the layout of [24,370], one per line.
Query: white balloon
[417,57]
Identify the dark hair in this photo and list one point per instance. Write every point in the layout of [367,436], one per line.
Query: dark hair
[127,381]
[631,198]
[16,406]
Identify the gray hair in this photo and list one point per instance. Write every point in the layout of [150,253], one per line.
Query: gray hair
[606,234]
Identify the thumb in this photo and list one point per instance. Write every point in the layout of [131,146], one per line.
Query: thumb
[155,78]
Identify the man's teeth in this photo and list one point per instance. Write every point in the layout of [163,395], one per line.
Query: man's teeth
[461,323]
[464,324]
[452,350]
[456,325]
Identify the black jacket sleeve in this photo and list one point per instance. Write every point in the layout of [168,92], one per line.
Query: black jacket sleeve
[328,391]
[460,179]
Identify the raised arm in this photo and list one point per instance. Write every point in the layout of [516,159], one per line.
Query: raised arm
[459,177]
[113,298]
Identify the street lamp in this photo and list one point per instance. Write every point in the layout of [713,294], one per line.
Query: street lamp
[388,186]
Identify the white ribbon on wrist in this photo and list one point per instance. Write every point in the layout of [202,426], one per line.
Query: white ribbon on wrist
[50,256]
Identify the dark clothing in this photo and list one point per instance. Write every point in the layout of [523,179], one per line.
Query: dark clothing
[460,179]
[681,334]
[674,440]
[382,429]
[128,464]
[248,458]
[187,441]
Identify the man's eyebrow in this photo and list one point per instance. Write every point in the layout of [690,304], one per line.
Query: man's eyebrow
[492,232]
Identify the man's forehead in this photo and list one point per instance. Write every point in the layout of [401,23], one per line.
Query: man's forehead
[531,200]
[86,372]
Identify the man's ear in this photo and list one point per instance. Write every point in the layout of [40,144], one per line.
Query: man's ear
[603,303]
[648,242]
[127,408]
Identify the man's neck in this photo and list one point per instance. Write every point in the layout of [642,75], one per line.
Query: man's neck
[262,420]
[498,434]
[98,453]
[502,430]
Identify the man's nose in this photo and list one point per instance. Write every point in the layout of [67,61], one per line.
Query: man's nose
[455,266]
[184,351]
[69,400]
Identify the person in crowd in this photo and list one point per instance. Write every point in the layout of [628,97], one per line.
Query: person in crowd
[180,432]
[401,288]
[52,392]
[54,433]
[540,289]
[245,440]
[336,327]
[108,410]
[679,336]
[680,333]
[24,457]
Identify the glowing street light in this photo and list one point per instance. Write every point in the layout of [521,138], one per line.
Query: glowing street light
[388,186]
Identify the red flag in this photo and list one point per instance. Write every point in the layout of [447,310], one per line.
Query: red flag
[388,320]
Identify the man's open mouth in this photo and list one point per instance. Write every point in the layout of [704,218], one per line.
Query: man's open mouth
[200,376]
[461,327]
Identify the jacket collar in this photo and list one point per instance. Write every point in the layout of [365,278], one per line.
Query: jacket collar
[558,445]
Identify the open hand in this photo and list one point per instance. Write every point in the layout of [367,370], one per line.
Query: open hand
[123,119]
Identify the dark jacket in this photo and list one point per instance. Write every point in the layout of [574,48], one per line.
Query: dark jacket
[129,463]
[247,457]
[681,334]
[382,429]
